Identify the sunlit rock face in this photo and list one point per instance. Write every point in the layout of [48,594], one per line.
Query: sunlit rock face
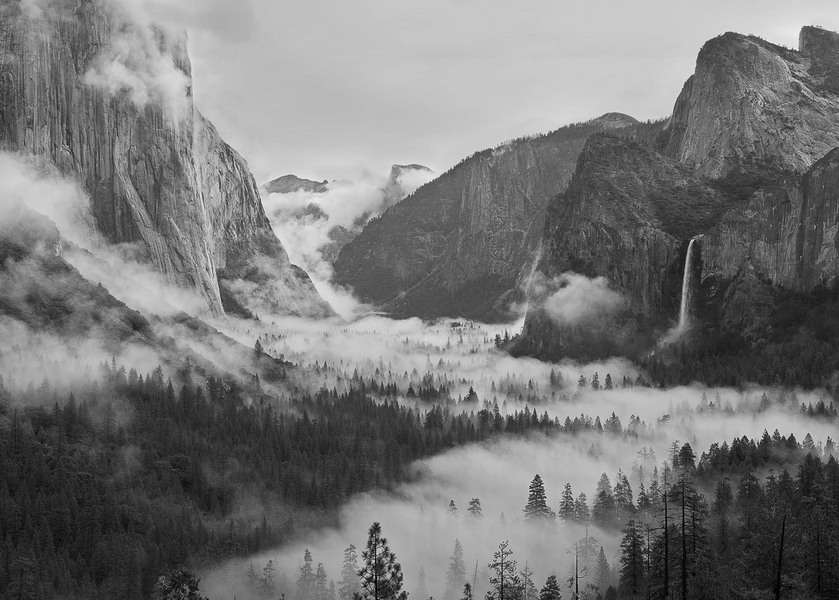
[106,97]
[752,106]
[460,244]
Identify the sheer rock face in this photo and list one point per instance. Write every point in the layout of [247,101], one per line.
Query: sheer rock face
[748,162]
[459,244]
[627,215]
[754,107]
[157,172]
[788,232]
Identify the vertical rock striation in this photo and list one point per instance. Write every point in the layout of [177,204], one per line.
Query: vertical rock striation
[107,99]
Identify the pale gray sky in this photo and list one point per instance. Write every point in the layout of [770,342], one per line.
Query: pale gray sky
[322,88]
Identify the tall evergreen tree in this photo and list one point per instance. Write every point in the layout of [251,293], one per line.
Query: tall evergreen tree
[307,578]
[550,591]
[474,508]
[632,576]
[321,591]
[381,574]
[603,512]
[566,504]
[528,586]
[456,573]
[349,585]
[504,579]
[581,510]
[602,572]
[537,502]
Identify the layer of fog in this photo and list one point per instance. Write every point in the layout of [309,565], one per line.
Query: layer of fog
[310,225]
[463,355]
[27,184]
[422,531]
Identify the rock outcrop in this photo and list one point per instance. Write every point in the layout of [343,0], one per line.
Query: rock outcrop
[399,185]
[747,162]
[788,231]
[753,107]
[459,245]
[626,215]
[288,184]
[108,101]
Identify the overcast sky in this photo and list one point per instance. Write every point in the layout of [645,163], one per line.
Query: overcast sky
[322,88]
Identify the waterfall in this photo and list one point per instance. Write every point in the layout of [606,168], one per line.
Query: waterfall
[687,288]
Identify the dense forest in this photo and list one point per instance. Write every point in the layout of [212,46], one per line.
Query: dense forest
[788,339]
[104,488]
[749,519]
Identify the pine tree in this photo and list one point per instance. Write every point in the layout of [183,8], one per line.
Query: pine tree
[306,579]
[475,507]
[603,512]
[624,505]
[632,578]
[456,574]
[349,585]
[381,575]
[566,504]
[321,587]
[602,572]
[467,592]
[528,587]
[581,510]
[452,507]
[177,585]
[504,580]
[550,591]
[537,503]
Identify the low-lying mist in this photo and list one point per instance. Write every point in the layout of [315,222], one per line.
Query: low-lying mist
[461,356]
[457,364]
[314,226]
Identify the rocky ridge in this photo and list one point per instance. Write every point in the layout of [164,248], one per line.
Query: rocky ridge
[460,244]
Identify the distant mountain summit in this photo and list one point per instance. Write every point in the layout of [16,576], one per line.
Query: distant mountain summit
[288,184]
[614,120]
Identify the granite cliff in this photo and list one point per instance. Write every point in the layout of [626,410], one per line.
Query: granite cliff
[107,99]
[460,244]
[747,164]
[754,107]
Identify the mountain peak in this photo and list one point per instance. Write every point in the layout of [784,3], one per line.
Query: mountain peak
[288,184]
[752,105]
[614,120]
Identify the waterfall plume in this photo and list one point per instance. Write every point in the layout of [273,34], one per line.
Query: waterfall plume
[688,285]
